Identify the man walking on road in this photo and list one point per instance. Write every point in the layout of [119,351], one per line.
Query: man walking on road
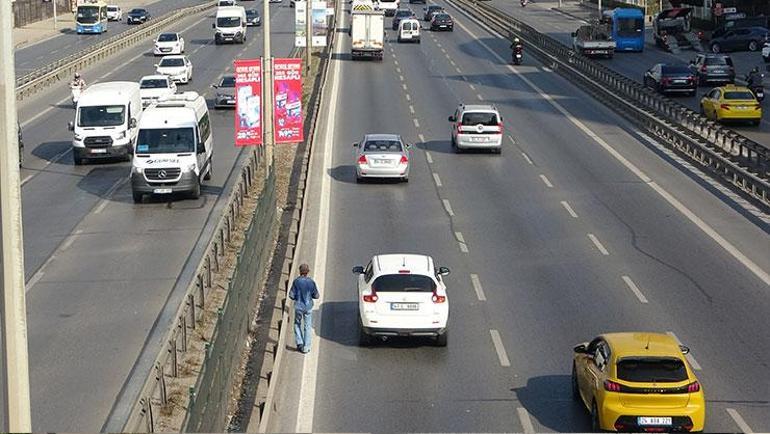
[303,292]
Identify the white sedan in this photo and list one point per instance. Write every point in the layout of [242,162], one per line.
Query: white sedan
[114,13]
[178,68]
[154,87]
[402,295]
[168,43]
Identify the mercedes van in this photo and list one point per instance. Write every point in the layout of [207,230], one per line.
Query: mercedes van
[106,119]
[174,147]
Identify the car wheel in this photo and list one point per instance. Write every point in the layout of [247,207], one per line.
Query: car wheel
[137,197]
[443,339]
[359,180]
[364,339]
[196,191]
[716,48]
[498,151]
[575,388]
[755,122]
[207,176]
[596,424]
[77,159]
[405,179]
[753,46]
[766,59]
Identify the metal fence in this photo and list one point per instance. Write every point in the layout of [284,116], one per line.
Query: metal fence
[30,11]
[729,155]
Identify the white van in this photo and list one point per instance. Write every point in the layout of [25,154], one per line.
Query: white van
[106,120]
[409,31]
[230,25]
[388,6]
[174,147]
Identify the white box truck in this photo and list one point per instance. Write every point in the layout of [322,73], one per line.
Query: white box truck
[367,33]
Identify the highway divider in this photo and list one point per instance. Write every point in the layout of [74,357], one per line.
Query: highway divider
[63,69]
[727,154]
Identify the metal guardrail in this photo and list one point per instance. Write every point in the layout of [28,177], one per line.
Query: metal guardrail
[64,68]
[735,158]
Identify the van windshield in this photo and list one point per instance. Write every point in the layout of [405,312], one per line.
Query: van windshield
[166,141]
[228,21]
[101,116]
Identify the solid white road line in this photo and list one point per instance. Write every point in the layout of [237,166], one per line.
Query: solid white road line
[763,275]
[499,348]
[690,358]
[477,287]
[526,157]
[310,366]
[569,209]
[436,179]
[598,244]
[448,207]
[739,421]
[526,421]
[428,157]
[71,239]
[546,181]
[416,123]
[635,289]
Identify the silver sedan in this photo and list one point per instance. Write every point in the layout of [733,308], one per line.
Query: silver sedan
[382,156]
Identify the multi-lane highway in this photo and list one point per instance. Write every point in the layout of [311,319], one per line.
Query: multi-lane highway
[541,16]
[104,276]
[583,225]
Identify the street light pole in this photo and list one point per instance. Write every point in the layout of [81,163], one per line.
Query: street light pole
[55,18]
[15,363]
[308,34]
[267,89]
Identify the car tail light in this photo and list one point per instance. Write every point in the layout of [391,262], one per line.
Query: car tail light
[458,127]
[611,386]
[700,35]
[438,298]
[371,298]
[403,160]
[687,426]
[404,271]
[665,80]
[693,387]
[724,106]
[362,159]
[703,68]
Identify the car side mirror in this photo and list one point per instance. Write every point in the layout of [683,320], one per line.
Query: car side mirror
[358,269]
[213,26]
[443,271]
[355,145]
[156,65]
[215,86]
[574,34]
[685,350]
[71,126]
[451,119]
[580,349]
[132,123]
[201,148]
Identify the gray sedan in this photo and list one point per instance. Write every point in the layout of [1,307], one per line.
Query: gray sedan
[382,156]
[225,95]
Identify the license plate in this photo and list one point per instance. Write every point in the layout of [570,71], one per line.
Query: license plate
[231,101]
[654,421]
[442,26]
[760,94]
[719,71]
[98,151]
[680,81]
[162,191]
[404,306]
[478,139]
[382,161]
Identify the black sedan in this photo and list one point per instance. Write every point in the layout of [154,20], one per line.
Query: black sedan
[401,14]
[442,21]
[138,16]
[253,18]
[671,78]
[750,38]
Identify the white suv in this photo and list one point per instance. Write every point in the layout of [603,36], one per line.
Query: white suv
[402,295]
[477,127]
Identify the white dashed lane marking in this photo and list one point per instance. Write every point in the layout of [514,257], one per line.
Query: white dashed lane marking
[690,358]
[416,123]
[448,207]
[499,348]
[635,289]
[569,209]
[429,157]
[477,287]
[739,421]
[598,244]
[436,179]
[411,109]
[526,421]
[546,181]
[526,157]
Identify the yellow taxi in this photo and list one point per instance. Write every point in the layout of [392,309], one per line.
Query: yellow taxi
[731,102]
[639,382]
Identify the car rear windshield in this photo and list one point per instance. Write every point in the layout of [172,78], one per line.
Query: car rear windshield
[154,83]
[719,61]
[739,95]
[227,82]
[383,146]
[676,70]
[174,61]
[404,283]
[403,13]
[651,369]
[483,118]
[166,37]
[441,17]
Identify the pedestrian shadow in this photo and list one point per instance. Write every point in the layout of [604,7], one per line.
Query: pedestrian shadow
[548,399]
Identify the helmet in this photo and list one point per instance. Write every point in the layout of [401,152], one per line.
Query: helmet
[77,75]
[516,40]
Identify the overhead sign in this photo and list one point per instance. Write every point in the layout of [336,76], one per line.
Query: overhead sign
[248,102]
[287,88]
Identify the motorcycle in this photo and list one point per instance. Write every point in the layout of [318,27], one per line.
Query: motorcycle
[517,55]
[758,89]
[76,90]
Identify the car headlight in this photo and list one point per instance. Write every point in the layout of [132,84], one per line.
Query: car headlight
[121,136]
[189,168]
[78,137]
[138,170]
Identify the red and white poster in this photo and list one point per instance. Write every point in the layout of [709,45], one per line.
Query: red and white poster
[248,102]
[288,100]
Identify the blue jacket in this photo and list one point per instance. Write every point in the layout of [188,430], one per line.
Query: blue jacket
[303,292]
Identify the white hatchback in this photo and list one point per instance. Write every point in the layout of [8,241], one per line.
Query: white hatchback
[402,295]
[114,13]
[154,87]
[178,68]
[168,43]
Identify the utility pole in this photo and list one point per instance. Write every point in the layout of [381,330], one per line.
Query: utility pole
[55,18]
[308,34]
[267,89]
[15,364]
[600,9]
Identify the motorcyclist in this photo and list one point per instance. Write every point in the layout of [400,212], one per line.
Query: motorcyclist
[516,45]
[754,78]
[78,81]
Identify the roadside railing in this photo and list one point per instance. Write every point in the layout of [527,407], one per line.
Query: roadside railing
[734,157]
[63,69]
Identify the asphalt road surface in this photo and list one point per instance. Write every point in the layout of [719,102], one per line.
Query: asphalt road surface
[102,273]
[581,226]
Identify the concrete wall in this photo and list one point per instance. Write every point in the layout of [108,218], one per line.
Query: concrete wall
[30,11]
